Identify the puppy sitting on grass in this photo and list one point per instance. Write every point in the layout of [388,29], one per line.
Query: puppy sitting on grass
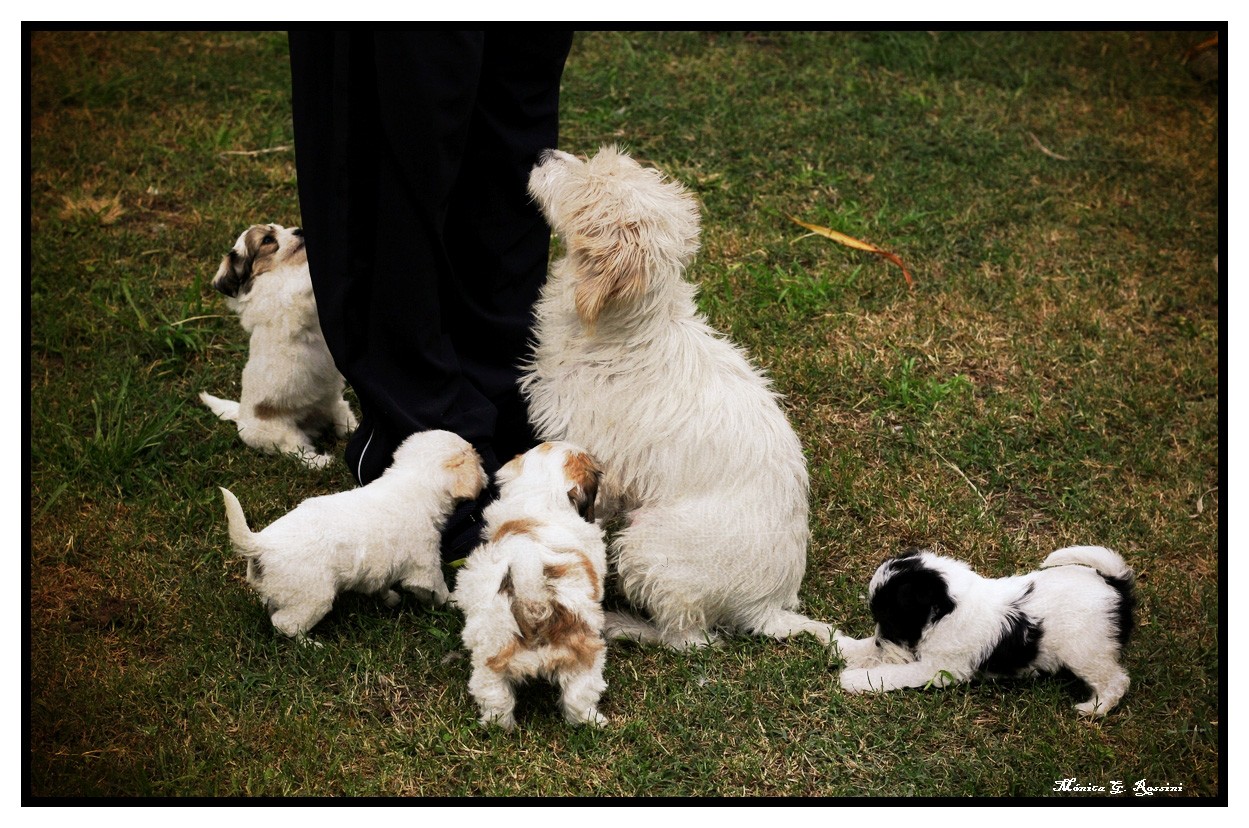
[939,622]
[365,539]
[530,594]
[291,390]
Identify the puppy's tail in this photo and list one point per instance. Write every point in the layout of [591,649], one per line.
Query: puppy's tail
[1108,563]
[532,600]
[240,535]
[224,409]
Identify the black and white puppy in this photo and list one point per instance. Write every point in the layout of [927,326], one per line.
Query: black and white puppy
[291,389]
[939,622]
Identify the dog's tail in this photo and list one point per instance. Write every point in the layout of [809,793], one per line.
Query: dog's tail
[531,596]
[224,409]
[240,535]
[1108,563]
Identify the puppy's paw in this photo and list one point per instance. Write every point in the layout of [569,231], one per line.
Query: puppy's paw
[858,681]
[316,461]
[391,598]
[1092,708]
[596,719]
[496,719]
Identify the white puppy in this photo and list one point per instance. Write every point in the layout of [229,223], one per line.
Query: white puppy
[291,389]
[364,539]
[696,452]
[530,594]
[939,622]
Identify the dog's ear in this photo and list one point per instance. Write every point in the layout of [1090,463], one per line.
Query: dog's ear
[234,273]
[466,474]
[581,470]
[510,470]
[611,265]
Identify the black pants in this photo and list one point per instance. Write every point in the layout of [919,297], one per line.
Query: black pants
[426,253]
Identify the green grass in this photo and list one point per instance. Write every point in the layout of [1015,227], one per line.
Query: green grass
[1051,379]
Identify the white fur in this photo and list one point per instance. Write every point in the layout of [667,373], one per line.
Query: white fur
[291,389]
[697,454]
[531,593]
[365,539]
[1069,599]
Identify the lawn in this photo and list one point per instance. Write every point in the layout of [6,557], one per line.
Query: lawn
[1052,378]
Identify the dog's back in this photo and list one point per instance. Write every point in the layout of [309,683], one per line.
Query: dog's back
[1114,571]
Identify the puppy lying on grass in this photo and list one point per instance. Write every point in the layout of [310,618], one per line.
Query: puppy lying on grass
[939,622]
[366,539]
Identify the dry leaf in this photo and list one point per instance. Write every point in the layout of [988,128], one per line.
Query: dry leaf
[106,210]
[850,241]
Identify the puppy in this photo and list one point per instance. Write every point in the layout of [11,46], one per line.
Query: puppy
[530,594]
[364,539]
[938,622]
[697,455]
[291,389]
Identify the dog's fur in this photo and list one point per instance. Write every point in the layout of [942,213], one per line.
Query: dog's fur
[365,539]
[939,622]
[696,452]
[531,593]
[291,389]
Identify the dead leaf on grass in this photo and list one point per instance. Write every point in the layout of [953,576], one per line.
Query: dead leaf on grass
[850,241]
[105,210]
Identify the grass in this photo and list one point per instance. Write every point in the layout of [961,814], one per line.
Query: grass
[1053,378]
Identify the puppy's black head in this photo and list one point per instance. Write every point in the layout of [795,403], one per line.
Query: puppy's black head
[909,597]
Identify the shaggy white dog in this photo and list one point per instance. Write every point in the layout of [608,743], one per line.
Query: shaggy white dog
[530,594]
[365,539]
[696,452]
[939,622]
[291,389]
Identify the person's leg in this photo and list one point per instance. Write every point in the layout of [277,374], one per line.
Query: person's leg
[381,121]
[496,238]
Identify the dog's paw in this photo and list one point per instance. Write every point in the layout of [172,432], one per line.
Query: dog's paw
[494,719]
[858,681]
[1092,708]
[316,461]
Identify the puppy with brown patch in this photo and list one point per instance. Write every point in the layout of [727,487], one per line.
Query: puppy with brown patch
[531,593]
[291,389]
[366,539]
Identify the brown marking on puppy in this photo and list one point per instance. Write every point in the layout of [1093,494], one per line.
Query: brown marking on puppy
[581,470]
[506,587]
[516,526]
[545,448]
[268,411]
[553,572]
[499,661]
[586,566]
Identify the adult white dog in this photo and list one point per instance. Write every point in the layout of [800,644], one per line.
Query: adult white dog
[531,594]
[291,390]
[695,450]
[939,622]
[366,539]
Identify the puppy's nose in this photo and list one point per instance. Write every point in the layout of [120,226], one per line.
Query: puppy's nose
[297,231]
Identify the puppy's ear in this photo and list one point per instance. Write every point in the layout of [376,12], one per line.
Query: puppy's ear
[235,272]
[611,265]
[467,476]
[510,470]
[581,470]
